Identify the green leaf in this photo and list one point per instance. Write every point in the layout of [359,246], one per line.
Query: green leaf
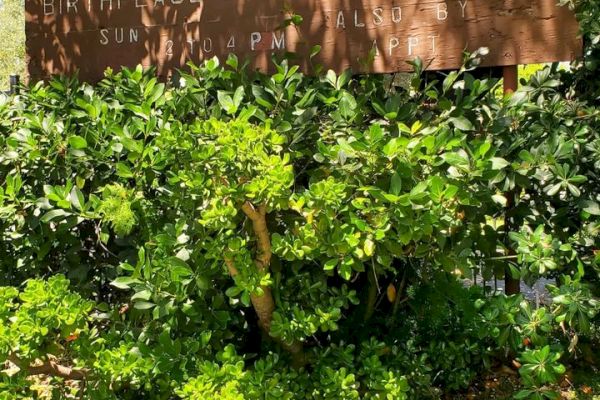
[449,81]
[157,93]
[330,264]
[526,156]
[419,188]
[124,171]
[392,148]
[315,50]
[574,190]
[551,190]
[226,102]
[462,124]
[331,77]
[232,61]
[483,149]
[212,64]
[456,159]
[498,163]
[245,298]
[233,291]
[590,207]
[143,295]
[396,184]
[450,191]
[124,282]
[345,270]
[500,199]
[143,305]
[436,188]
[297,19]
[369,247]
[50,215]
[517,98]
[77,199]
[179,269]
[238,96]
[77,142]
[524,394]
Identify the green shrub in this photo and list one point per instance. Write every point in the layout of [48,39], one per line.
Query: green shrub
[252,236]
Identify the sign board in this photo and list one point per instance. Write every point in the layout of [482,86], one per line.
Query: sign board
[64,36]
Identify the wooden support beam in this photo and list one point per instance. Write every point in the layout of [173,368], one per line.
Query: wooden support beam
[510,75]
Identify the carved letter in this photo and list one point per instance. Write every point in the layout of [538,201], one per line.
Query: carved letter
[117,39]
[462,7]
[72,4]
[207,45]
[378,16]
[375,47]
[255,37]
[278,43]
[433,37]
[191,42]
[396,14]
[442,11]
[356,23]
[231,42]
[133,35]
[394,42]
[412,43]
[102,4]
[48,7]
[104,39]
[340,20]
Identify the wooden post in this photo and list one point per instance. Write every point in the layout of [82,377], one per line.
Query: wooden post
[13,81]
[510,75]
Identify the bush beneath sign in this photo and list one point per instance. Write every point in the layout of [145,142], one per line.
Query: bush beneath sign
[282,237]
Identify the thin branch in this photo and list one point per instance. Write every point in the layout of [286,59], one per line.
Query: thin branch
[399,300]
[264,304]
[99,241]
[375,275]
[371,295]
[233,271]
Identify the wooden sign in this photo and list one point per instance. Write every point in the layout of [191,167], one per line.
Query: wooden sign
[64,36]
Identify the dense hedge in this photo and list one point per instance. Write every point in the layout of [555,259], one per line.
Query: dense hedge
[244,236]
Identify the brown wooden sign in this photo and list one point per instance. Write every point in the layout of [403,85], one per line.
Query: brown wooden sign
[64,36]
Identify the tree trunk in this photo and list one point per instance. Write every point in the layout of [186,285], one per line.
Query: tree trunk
[49,368]
[264,305]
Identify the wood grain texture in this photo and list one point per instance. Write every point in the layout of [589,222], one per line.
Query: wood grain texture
[64,36]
